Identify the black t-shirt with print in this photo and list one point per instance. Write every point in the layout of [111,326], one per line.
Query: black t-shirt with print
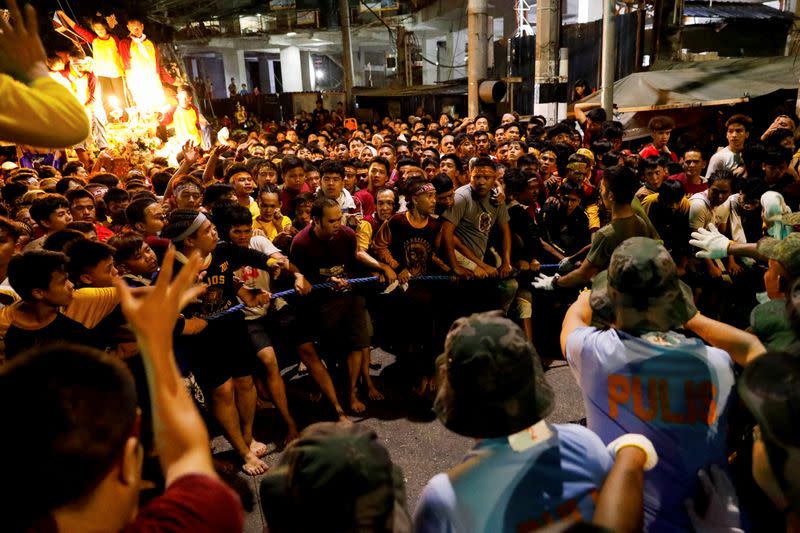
[413,248]
[226,259]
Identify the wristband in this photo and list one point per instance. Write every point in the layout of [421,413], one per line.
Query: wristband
[638,441]
[272,262]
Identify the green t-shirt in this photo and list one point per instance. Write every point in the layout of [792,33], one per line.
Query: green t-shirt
[611,235]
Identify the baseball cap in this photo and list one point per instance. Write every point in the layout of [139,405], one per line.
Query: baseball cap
[785,251]
[8,165]
[335,477]
[494,383]
[769,388]
[641,290]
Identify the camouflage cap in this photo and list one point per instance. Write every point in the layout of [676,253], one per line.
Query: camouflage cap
[785,251]
[641,290]
[769,389]
[344,474]
[494,384]
[791,219]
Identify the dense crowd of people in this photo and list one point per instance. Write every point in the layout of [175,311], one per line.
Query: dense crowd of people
[138,307]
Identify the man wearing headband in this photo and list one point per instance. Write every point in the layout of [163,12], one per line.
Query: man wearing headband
[219,351]
[188,193]
[407,244]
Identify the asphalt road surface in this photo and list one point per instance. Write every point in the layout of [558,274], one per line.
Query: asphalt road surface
[417,442]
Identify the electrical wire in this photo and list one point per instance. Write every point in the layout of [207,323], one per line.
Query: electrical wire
[70,9]
[414,37]
[416,43]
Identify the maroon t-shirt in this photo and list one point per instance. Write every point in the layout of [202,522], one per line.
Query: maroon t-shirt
[320,260]
[194,503]
[689,188]
[288,196]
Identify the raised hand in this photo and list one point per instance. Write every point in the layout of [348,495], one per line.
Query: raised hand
[152,315]
[22,54]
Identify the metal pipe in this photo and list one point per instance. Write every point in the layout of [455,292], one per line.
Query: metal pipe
[347,54]
[477,46]
[563,80]
[546,72]
[608,58]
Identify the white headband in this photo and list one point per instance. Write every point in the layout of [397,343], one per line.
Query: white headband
[193,227]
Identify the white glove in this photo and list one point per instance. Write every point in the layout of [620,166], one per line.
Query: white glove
[713,244]
[773,206]
[722,515]
[638,441]
[545,283]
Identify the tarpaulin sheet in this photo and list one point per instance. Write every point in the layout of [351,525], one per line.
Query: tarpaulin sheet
[704,83]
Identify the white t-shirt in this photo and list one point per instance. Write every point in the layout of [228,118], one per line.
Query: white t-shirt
[724,159]
[255,278]
[701,215]
[7,292]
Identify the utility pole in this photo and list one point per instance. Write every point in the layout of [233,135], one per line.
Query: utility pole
[609,57]
[667,24]
[347,54]
[478,39]
[548,26]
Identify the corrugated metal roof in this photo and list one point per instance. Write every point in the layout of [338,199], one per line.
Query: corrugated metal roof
[733,11]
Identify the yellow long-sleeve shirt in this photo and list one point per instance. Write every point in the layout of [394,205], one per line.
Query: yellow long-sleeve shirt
[43,114]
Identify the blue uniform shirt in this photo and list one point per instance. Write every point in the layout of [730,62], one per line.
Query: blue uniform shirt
[672,389]
[501,487]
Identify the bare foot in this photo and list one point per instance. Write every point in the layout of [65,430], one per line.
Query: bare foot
[374,393]
[343,418]
[356,405]
[259,449]
[253,466]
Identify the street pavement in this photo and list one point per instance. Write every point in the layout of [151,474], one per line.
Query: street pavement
[417,442]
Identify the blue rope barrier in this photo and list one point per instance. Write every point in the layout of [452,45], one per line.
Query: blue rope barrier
[353,281]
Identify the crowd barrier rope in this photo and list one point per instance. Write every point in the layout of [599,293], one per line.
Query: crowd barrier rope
[352,281]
